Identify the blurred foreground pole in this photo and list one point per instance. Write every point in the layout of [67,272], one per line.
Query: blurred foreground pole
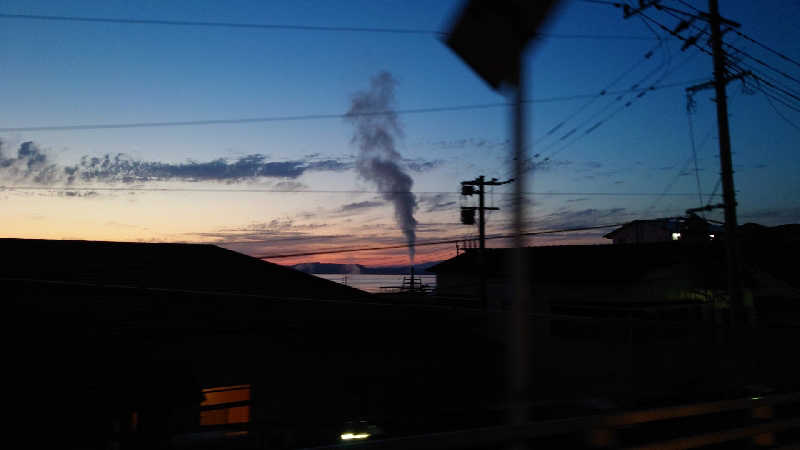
[520,307]
[491,36]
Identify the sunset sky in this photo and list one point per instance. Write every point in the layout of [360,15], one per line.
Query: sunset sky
[280,186]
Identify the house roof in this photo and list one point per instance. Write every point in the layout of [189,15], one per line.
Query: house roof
[199,267]
[599,263]
[672,225]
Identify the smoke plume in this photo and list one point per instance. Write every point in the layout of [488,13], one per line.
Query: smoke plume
[378,162]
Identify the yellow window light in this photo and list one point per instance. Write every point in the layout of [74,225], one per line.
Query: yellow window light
[351,436]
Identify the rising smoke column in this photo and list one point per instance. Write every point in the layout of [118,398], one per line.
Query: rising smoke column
[378,161]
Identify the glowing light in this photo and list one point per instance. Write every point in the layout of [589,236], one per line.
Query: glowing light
[711,236]
[676,236]
[350,436]
[755,398]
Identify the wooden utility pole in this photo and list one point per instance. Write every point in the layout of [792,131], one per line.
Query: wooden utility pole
[478,186]
[469,188]
[739,313]
[726,165]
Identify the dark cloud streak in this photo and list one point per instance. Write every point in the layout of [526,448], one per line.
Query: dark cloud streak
[32,164]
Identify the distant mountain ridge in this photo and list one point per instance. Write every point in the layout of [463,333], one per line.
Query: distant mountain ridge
[331,268]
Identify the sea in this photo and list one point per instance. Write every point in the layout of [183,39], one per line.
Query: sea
[376,283]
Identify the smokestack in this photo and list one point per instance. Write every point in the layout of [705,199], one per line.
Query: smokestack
[376,128]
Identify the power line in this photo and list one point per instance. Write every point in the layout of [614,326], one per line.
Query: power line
[714,191]
[273,26]
[745,69]
[694,155]
[188,23]
[687,41]
[740,51]
[772,85]
[741,35]
[765,64]
[611,115]
[430,243]
[602,93]
[785,119]
[317,116]
[314,191]
[767,48]
[682,170]
[688,5]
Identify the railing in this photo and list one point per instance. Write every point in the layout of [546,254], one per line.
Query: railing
[603,431]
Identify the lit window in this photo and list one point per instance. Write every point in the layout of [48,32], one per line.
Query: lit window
[225,405]
[676,236]
[350,436]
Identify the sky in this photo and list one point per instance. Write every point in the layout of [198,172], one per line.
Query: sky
[603,148]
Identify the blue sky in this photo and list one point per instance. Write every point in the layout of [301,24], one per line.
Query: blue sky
[66,73]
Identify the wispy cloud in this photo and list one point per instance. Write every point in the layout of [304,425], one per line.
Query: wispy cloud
[290,186]
[437,202]
[34,165]
[421,165]
[360,205]
[122,168]
[473,142]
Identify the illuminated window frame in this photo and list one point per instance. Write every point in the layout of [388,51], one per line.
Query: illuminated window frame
[226,405]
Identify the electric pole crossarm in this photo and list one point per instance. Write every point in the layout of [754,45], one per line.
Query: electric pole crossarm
[712,84]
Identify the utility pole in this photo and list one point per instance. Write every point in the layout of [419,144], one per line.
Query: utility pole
[469,188]
[478,186]
[719,83]
[726,165]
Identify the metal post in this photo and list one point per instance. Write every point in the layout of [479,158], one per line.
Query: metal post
[518,336]
[726,165]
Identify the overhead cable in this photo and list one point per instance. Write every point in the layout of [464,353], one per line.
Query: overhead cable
[307,191]
[101,126]
[429,243]
[274,26]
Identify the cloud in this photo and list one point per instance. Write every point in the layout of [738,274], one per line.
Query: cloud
[539,165]
[290,186]
[438,202]
[122,168]
[473,142]
[569,218]
[421,165]
[83,194]
[32,164]
[360,205]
